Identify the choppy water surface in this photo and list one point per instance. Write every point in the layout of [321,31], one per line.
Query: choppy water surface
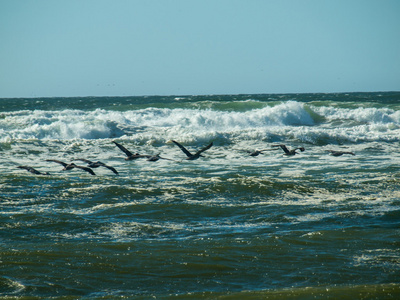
[227,225]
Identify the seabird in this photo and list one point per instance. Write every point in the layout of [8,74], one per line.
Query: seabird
[339,153]
[33,170]
[97,164]
[157,157]
[131,156]
[189,155]
[289,152]
[70,166]
[258,152]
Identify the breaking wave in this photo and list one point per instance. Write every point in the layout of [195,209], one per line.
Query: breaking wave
[285,120]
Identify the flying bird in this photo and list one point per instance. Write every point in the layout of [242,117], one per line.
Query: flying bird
[97,164]
[33,170]
[131,156]
[258,152]
[157,157]
[189,155]
[71,166]
[339,153]
[289,152]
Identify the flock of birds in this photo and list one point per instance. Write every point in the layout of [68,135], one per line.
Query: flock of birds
[131,156]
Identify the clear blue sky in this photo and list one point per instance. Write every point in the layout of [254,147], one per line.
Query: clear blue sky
[179,47]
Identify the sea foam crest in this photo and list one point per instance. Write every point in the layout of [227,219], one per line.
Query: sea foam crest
[66,124]
[289,113]
[286,120]
[368,115]
[100,123]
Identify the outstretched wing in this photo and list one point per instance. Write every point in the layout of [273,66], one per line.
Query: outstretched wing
[110,168]
[339,153]
[123,149]
[334,153]
[57,161]
[24,167]
[283,148]
[188,154]
[257,152]
[89,170]
[84,160]
[204,149]
[30,169]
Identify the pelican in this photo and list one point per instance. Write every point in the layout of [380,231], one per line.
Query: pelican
[71,166]
[33,170]
[289,152]
[258,152]
[97,164]
[339,153]
[131,156]
[189,155]
[157,157]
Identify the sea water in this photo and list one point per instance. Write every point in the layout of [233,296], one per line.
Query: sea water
[227,225]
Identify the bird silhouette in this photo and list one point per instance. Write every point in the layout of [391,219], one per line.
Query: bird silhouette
[33,170]
[97,164]
[189,155]
[289,152]
[71,166]
[339,153]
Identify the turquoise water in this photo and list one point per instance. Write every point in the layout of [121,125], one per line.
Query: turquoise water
[227,225]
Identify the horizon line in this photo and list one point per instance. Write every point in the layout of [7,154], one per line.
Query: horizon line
[198,95]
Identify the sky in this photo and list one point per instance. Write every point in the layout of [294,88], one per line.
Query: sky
[56,48]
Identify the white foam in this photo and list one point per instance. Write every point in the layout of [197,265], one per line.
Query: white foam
[363,115]
[288,120]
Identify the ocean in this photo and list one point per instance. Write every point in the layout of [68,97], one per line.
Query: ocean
[227,225]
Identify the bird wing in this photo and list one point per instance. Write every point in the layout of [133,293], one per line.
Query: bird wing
[188,154]
[204,149]
[84,160]
[89,170]
[24,167]
[142,155]
[110,168]
[284,148]
[335,153]
[123,149]
[157,157]
[339,153]
[166,158]
[257,152]
[57,161]
[30,169]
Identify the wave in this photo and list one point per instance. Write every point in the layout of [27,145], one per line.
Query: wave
[360,114]
[280,121]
